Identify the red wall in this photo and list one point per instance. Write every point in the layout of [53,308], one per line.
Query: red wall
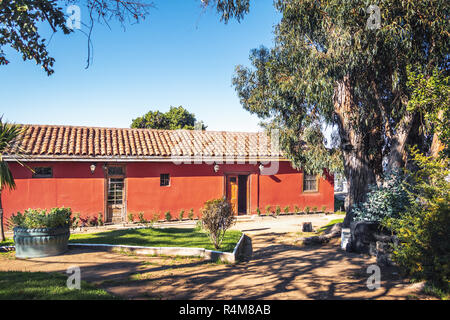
[191,185]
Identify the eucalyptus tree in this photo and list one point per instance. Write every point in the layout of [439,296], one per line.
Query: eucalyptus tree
[346,63]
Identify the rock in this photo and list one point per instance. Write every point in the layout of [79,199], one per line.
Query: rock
[363,233]
[307,227]
[384,253]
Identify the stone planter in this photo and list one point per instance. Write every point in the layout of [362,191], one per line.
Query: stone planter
[42,242]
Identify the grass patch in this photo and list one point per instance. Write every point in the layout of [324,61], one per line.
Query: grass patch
[331,223]
[151,237]
[7,242]
[45,286]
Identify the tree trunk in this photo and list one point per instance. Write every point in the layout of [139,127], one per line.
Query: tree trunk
[358,169]
[2,232]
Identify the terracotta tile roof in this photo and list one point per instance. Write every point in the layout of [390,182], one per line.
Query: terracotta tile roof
[54,142]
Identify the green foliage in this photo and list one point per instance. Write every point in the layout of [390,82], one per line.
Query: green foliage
[307,209]
[168,216]
[181,215]
[33,218]
[175,118]
[191,214]
[286,209]
[430,95]
[277,210]
[387,200]
[314,209]
[296,209]
[141,218]
[258,211]
[229,9]
[21,20]
[76,221]
[268,209]
[100,219]
[130,217]
[217,218]
[423,229]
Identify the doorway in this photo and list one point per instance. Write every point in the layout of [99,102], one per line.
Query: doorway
[237,193]
[115,194]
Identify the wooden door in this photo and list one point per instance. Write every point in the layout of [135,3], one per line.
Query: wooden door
[232,192]
[115,195]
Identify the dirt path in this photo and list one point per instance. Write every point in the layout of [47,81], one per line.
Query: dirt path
[277,270]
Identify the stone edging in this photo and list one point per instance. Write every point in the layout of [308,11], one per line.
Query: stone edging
[169,251]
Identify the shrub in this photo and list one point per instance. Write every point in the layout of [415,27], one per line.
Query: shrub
[76,221]
[286,209]
[258,211]
[268,209]
[191,214]
[307,210]
[91,221]
[296,209]
[217,218]
[100,219]
[423,228]
[141,218]
[32,218]
[168,216]
[130,217]
[181,215]
[155,218]
[278,210]
[384,201]
[314,209]
[324,208]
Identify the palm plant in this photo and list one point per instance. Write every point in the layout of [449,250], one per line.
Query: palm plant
[8,133]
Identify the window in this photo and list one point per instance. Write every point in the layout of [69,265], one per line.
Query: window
[164,179]
[115,191]
[115,171]
[309,182]
[43,172]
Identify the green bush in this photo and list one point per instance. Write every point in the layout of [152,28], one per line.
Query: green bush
[268,209]
[191,214]
[423,228]
[76,220]
[314,209]
[296,209]
[217,218]
[387,200]
[306,210]
[168,216]
[181,215]
[324,208]
[141,218]
[36,218]
[258,211]
[277,210]
[130,217]
[286,209]
[100,219]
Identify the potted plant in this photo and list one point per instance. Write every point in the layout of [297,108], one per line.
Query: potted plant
[38,233]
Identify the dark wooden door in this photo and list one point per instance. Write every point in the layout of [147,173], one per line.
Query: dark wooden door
[232,192]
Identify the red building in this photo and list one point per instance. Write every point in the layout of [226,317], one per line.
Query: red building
[121,171]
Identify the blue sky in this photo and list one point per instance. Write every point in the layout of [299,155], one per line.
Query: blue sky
[180,55]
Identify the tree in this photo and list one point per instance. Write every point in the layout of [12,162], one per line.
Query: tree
[8,133]
[175,118]
[217,218]
[19,20]
[346,64]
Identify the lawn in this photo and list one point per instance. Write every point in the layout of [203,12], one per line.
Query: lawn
[16,285]
[150,237]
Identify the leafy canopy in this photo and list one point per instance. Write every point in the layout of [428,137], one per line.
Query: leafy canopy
[175,118]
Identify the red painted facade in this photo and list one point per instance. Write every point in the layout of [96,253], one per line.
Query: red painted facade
[73,185]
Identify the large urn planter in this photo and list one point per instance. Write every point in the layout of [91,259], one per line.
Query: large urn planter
[40,242]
